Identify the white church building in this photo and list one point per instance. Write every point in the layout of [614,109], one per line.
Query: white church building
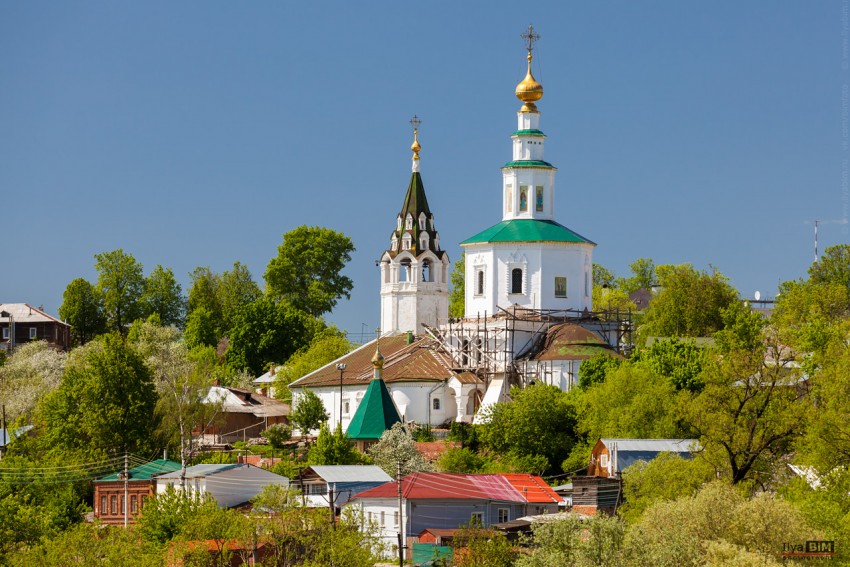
[528,299]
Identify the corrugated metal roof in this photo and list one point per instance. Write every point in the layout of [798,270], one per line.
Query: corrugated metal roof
[145,471]
[200,471]
[350,473]
[533,488]
[527,230]
[649,445]
[448,486]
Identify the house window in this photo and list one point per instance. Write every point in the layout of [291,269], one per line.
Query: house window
[123,506]
[538,199]
[383,519]
[477,519]
[197,485]
[113,505]
[5,333]
[523,198]
[33,333]
[346,407]
[504,515]
[516,280]
[103,505]
[603,461]
[479,282]
[134,504]
[395,519]
[436,403]
[560,286]
[369,516]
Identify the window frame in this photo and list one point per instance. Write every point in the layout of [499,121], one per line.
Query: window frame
[517,275]
[435,404]
[504,515]
[562,295]
[33,333]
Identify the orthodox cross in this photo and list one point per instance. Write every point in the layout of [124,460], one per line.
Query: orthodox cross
[415,122]
[530,38]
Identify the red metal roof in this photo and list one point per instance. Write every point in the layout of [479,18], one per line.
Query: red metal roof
[533,488]
[448,486]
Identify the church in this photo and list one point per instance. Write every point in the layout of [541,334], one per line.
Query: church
[528,303]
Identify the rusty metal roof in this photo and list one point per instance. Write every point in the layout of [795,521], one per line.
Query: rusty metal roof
[568,341]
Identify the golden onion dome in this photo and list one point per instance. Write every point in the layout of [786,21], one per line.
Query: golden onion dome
[415,147]
[529,90]
[378,359]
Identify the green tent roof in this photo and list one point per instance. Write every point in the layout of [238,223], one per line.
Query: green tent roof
[527,230]
[375,414]
[529,163]
[145,471]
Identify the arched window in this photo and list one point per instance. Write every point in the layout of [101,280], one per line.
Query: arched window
[394,244]
[516,280]
[405,242]
[398,223]
[423,241]
[426,271]
[436,403]
[408,222]
[421,221]
[404,274]
[479,282]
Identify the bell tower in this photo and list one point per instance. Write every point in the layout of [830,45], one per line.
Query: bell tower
[414,269]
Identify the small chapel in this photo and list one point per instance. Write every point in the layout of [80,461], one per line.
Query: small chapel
[528,316]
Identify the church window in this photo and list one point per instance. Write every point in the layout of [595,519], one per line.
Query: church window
[346,407]
[516,280]
[586,283]
[394,244]
[560,286]
[405,242]
[479,282]
[432,222]
[423,241]
[426,271]
[436,403]
[539,199]
[523,198]
[404,274]
[509,198]
[408,222]
[421,221]
[398,223]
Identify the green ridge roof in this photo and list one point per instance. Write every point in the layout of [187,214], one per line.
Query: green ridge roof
[145,471]
[529,133]
[415,201]
[527,230]
[375,414]
[529,163]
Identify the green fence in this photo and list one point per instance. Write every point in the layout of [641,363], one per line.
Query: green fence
[423,552]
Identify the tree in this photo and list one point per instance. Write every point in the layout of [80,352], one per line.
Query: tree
[32,371]
[833,267]
[595,369]
[457,295]
[397,448]
[82,308]
[204,292]
[121,283]
[326,346]
[309,412]
[166,515]
[540,421]
[265,331]
[643,276]
[334,448]
[201,329]
[163,296]
[572,540]
[307,269]
[277,435]
[105,403]
[236,289]
[603,277]
[475,546]
[690,303]
[679,361]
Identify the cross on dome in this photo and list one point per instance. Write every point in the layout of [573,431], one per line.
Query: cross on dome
[530,38]
[415,147]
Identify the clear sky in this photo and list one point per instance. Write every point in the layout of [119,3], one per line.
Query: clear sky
[196,133]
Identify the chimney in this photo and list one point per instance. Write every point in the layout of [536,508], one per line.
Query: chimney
[272,370]
[410,337]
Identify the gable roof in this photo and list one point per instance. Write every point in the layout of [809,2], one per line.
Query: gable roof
[238,400]
[375,414]
[527,230]
[657,445]
[349,473]
[447,486]
[26,313]
[144,472]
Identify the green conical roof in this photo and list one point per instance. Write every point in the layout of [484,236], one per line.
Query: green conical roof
[375,414]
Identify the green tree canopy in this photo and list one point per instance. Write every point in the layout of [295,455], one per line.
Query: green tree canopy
[105,403]
[121,282]
[307,271]
[334,448]
[201,329]
[82,308]
[833,267]
[679,361]
[457,294]
[236,289]
[326,346]
[163,296]
[395,447]
[309,413]
[32,371]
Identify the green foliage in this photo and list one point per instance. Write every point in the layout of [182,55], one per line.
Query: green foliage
[570,540]
[163,296]
[236,289]
[466,433]
[826,508]
[595,369]
[31,372]
[833,267]
[204,294]
[200,329]
[475,546]
[539,422]
[422,434]
[105,403]
[457,293]
[265,331]
[326,346]
[666,477]
[613,301]
[277,434]
[120,282]
[742,329]
[307,269]
[679,361]
[716,526]
[309,412]
[82,308]
[334,448]
[603,277]
[643,276]
[460,460]
[690,303]
[216,458]
[397,446]
[165,516]
[810,316]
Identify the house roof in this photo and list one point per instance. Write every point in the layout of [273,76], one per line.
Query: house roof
[9,435]
[657,445]
[528,230]
[23,313]
[421,360]
[448,486]
[201,471]
[349,473]
[433,450]
[375,414]
[145,472]
[533,488]
[569,341]
[238,400]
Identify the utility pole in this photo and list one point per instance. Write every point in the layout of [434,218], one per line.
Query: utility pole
[400,517]
[126,487]
[331,501]
[6,437]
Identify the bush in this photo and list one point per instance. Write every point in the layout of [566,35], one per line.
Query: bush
[277,434]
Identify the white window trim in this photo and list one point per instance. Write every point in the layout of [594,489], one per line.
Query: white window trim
[5,333]
[33,333]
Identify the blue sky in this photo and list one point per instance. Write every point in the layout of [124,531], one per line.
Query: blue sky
[197,133]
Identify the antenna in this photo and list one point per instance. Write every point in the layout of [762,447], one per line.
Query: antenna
[757,295]
[818,222]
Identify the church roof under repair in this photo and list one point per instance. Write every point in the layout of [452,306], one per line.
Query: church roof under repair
[527,230]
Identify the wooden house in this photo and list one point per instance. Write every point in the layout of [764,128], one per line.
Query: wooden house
[243,414]
[21,323]
[610,456]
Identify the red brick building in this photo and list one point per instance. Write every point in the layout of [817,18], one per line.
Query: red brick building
[109,491]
